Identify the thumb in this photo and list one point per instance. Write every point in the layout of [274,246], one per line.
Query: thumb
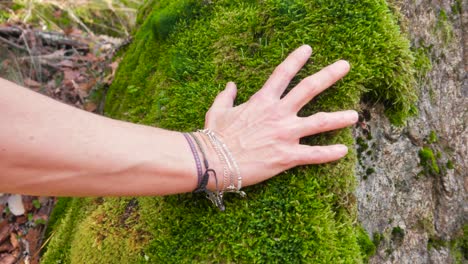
[225,99]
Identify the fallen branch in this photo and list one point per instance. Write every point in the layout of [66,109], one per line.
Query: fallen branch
[49,38]
[11,43]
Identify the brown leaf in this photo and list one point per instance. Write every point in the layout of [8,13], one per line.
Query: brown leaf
[33,237]
[4,230]
[7,259]
[6,247]
[90,106]
[28,202]
[21,219]
[28,82]
[14,240]
[66,63]
[69,75]
[87,86]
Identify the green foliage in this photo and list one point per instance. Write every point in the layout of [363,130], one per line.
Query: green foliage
[181,57]
[428,161]
[36,203]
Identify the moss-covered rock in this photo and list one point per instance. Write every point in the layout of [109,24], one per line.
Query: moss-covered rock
[181,57]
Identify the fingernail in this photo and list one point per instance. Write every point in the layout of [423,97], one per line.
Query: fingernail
[344,64]
[342,149]
[307,49]
[352,115]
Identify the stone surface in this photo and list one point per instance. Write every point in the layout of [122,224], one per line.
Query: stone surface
[15,203]
[397,197]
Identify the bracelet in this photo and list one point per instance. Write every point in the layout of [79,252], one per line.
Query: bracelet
[214,197]
[231,170]
[226,157]
[196,157]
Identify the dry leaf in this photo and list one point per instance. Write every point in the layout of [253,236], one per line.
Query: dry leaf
[7,259]
[90,106]
[6,247]
[4,230]
[87,86]
[70,75]
[14,240]
[28,82]
[66,63]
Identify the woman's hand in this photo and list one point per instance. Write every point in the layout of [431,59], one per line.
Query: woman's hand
[263,133]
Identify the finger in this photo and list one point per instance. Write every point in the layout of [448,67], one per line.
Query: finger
[283,74]
[309,87]
[320,154]
[322,122]
[225,99]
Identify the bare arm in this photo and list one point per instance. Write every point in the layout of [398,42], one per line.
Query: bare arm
[49,148]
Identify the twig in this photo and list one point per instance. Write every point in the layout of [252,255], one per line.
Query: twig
[11,43]
[47,37]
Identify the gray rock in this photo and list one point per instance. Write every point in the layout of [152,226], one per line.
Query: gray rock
[397,197]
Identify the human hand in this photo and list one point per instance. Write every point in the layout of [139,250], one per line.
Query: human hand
[263,133]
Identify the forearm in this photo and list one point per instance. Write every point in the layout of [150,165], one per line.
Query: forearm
[49,148]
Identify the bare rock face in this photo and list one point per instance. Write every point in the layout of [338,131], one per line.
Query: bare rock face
[413,181]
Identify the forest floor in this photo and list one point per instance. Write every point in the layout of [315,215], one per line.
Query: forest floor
[51,50]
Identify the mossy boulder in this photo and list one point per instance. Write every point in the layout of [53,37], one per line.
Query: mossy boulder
[182,55]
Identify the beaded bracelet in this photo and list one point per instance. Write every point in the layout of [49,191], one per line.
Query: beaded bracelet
[226,157]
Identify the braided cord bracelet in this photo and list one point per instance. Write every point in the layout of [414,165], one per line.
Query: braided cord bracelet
[195,156]
[212,196]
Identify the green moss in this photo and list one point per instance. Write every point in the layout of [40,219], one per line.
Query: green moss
[362,145]
[365,243]
[377,238]
[428,161]
[458,246]
[422,61]
[456,7]
[398,234]
[58,213]
[369,171]
[180,59]
[444,28]
[450,165]
[432,138]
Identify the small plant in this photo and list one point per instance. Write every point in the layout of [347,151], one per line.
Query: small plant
[36,204]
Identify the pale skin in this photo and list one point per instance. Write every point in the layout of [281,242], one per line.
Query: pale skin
[49,148]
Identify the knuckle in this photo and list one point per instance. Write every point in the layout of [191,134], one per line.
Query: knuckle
[322,119]
[286,157]
[332,72]
[311,82]
[283,71]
